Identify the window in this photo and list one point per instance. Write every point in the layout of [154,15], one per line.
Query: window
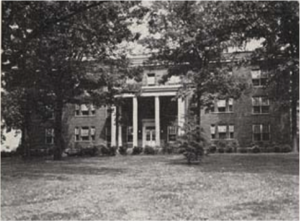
[260,105]
[213,131]
[221,105]
[93,132]
[261,132]
[76,134]
[49,136]
[225,106]
[84,110]
[222,131]
[258,78]
[151,78]
[231,131]
[130,134]
[172,132]
[93,111]
[85,133]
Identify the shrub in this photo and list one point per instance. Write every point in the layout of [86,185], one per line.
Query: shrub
[123,150]
[277,149]
[228,149]
[149,150]
[137,150]
[242,150]
[221,143]
[221,150]
[90,151]
[167,148]
[255,149]
[109,151]
[286,148]
[213,148]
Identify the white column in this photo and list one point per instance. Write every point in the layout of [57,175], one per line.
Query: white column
[113,126]
[120,128]
[181,114]
[157,122]
[135,121]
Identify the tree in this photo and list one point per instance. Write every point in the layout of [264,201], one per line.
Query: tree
[47,47]
[277,25]
[193,37]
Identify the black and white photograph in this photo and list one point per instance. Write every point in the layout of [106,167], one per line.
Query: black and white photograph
[149,110]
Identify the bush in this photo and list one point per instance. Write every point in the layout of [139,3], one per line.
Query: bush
[167,148]
[228,149]
[108,151]
[277,149]
[123,150]
[213,148]
[90,151]
[286,148]
[255,149]
[137,150]
[221,143]
[242,150]
[149,150]
[82,151]
[221,150]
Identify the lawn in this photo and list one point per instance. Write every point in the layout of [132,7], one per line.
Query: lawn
[222,187]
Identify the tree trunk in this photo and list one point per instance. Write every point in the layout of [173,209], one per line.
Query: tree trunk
[58,136]
[117,125]
[198,116]
[294,104]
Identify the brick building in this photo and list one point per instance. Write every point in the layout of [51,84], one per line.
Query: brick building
[156,116]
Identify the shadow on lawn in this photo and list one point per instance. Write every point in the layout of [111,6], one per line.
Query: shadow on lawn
[55,170]
[245,163]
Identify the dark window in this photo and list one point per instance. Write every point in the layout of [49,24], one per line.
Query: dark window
[259,78]
[172,132]
[261,132]
[49,136]
[129,134]
[260,105]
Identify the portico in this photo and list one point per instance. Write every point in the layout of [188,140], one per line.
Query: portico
[150,118]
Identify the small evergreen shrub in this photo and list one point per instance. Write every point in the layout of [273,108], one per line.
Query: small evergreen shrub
[123,150]
[137,150]
[242,150]
[221,150]
[90,151]
[213,148]
[255,149]
[149,150]
[286,148]
[167,149]
[277,149]
[108,151]
[228,149]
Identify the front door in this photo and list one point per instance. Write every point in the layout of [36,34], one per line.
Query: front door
[150,136]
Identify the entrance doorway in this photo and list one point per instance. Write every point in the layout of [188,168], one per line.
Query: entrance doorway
[150,136]
[149,133]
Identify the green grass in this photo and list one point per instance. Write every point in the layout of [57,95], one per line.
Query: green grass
[222,187]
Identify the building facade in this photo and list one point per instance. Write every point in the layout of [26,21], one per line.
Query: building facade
[155,116]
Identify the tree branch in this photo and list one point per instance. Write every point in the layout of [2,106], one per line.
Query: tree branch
[49,23]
